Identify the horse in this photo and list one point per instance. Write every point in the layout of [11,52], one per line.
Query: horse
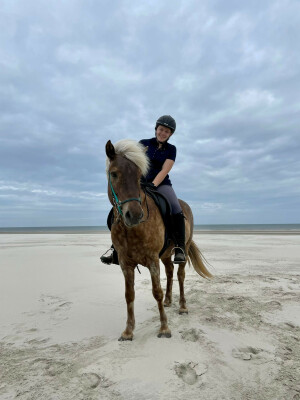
[138,232]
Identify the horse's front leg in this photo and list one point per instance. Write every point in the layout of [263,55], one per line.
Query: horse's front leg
[181,277]
[129,295]
[159,295]
[169,273]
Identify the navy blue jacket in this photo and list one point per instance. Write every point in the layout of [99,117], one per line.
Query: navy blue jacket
[157,158]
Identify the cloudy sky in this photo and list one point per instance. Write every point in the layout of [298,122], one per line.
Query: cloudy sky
[74,74]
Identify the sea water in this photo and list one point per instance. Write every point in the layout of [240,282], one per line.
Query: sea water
[292,228]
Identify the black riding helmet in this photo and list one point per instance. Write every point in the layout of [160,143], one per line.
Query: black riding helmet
[168,121]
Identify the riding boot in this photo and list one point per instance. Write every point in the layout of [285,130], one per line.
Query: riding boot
[111,258]
[179,233]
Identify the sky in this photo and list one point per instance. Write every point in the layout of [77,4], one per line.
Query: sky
[75,74]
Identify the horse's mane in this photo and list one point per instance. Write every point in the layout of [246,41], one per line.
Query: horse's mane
[133,151]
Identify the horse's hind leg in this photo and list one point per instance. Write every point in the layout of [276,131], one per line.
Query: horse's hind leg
[169,273]
[129,295]
[181,276]
[159,295]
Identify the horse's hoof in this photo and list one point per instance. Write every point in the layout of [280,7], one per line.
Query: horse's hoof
[164,334]
[183,311]
[124,339]
[167,304]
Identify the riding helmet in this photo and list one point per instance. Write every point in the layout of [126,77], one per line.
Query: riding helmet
[168,121]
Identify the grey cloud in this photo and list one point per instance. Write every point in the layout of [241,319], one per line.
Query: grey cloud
[75,74]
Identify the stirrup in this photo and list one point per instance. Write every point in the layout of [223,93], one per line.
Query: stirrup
[179,257]
[107,259]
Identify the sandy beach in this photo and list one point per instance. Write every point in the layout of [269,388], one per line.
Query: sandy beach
[62,312]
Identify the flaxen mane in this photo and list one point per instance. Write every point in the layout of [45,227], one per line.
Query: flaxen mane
[133,151]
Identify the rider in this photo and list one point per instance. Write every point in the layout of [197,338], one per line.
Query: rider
[162,157]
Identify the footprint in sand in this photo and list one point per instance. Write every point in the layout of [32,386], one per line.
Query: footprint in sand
[274,305]
[190,372]
[55,368]
[56,307]
[191,335]
[245,353]
[50,367]
[90,380]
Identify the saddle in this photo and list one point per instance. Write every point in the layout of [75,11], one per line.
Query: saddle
[165,210]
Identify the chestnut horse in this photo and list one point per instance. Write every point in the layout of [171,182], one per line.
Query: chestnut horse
[138,232]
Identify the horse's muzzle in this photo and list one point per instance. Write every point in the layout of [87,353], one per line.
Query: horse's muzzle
[133,218]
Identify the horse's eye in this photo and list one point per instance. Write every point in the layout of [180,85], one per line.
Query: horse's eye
[113,175]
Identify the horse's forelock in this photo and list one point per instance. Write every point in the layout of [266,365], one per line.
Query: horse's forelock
[133,151]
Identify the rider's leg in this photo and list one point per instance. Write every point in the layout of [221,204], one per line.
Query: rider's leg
[111,258]
[179,226]
[178,221]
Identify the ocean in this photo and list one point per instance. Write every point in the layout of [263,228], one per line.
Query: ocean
[226,228]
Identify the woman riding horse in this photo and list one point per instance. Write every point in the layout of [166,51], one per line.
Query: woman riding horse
[138,232]
[162,156]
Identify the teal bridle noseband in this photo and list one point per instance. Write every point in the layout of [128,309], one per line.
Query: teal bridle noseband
[119,203]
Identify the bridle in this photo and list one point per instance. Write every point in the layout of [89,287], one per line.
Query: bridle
[118,204]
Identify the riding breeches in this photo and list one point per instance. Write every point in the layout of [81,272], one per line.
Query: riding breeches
[169,193]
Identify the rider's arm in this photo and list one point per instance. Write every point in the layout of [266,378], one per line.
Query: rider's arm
[166,168]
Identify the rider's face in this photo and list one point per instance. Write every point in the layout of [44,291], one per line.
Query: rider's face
[163,133]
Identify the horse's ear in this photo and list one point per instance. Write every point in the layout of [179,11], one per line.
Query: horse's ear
[110,150]
[145,149]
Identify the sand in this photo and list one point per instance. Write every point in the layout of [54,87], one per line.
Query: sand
[62,312]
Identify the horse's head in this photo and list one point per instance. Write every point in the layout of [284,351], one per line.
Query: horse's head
[124,176]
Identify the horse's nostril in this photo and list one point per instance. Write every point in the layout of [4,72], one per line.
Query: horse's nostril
[133,218]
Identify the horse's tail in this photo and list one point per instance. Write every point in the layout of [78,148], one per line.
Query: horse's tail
[197,259]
